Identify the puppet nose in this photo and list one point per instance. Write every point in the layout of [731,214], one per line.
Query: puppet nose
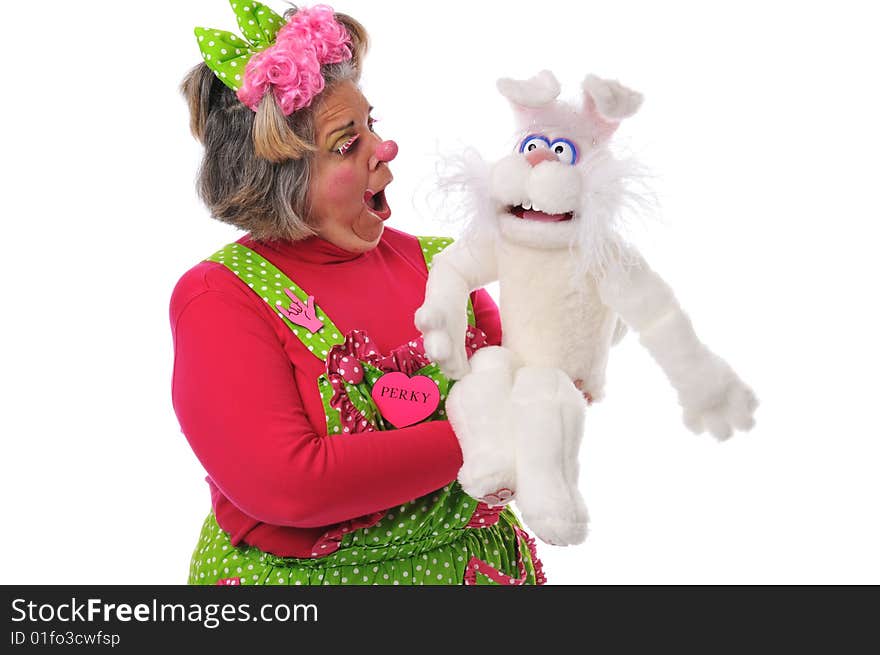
[536,156]
[386,151]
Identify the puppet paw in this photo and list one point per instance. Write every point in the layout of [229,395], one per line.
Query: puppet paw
[726,406]
[440,347]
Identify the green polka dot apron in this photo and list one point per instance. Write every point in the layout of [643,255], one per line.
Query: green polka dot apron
[445,537]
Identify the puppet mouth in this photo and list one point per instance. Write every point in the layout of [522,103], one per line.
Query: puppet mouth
[528,212]
[377,203]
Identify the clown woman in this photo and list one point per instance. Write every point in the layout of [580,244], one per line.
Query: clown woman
[300,380]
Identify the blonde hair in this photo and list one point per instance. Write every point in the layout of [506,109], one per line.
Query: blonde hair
[256,166]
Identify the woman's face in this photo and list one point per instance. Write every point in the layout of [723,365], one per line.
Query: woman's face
[347,204]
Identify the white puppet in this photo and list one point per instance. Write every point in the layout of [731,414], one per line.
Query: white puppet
[569,287]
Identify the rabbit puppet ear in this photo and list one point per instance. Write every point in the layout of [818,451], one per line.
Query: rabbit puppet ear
[607,103]
[532,100]
[535,92]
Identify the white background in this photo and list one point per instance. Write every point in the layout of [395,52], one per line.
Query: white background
[760,123]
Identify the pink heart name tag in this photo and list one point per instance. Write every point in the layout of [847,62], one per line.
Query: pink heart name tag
[404,400]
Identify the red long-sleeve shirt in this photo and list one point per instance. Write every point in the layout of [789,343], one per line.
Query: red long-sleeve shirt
[245,393]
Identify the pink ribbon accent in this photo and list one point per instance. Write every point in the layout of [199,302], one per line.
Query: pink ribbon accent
[229,582]
[476,565]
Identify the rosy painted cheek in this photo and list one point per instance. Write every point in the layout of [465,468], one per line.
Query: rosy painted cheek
[339,184]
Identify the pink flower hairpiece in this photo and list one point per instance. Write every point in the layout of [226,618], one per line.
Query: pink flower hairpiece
[285,60]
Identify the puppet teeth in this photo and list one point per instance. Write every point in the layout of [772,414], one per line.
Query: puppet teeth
[527,205]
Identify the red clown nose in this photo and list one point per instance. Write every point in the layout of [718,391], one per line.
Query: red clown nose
[386,151]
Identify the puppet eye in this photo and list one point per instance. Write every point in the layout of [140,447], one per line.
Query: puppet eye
[565,151]
[533,142]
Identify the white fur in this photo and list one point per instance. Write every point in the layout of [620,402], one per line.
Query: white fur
[565,289]
[508,180]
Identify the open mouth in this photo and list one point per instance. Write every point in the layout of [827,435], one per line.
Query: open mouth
[531,213]
[377,203]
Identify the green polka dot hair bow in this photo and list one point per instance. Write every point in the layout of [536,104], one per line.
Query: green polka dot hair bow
[284,56]
[227,54]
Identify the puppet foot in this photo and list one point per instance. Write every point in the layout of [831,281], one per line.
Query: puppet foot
[548,418]
[557,531]
[486,489]
[488,477]
[498,498]
[563,524]
[478,408]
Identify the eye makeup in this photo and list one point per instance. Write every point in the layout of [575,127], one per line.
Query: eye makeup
[345,147]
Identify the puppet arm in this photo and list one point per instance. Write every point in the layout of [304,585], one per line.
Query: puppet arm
[711,394]
[465,265]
